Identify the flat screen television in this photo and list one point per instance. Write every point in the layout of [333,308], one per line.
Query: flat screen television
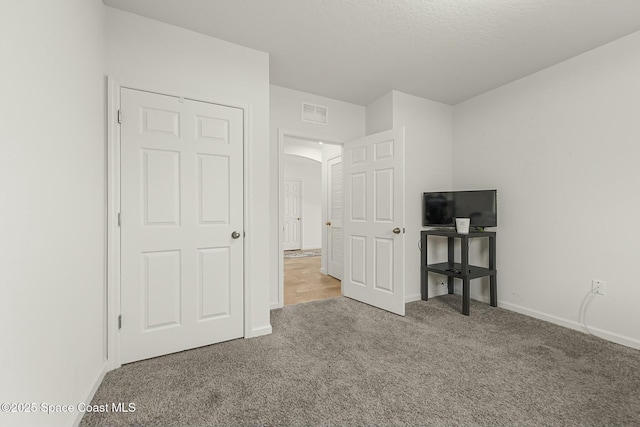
[440,209]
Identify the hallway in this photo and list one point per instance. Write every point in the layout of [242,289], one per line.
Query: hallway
[303,281]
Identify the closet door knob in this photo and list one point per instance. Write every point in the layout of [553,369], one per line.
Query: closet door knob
[396,230]
[235,234]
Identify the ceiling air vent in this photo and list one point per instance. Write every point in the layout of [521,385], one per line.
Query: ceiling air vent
[315,113]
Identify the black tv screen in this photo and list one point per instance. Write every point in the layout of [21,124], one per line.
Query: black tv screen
[440,209]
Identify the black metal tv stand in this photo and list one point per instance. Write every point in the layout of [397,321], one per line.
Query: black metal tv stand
[461,270]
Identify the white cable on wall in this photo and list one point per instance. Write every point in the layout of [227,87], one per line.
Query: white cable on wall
[586,302]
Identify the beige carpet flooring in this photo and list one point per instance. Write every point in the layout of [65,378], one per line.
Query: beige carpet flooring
[338,362]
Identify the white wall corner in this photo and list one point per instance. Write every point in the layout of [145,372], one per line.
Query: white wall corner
[379,114]
[91,393]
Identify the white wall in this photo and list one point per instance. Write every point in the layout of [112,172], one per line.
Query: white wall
[346,122]
[428,167]
[52,185]
[308,172]
[330,151]
[379,114]
[562,148]
[150,55]
[428,157]
[302,148]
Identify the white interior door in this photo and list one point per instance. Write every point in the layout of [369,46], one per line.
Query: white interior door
[292,217]
[374,220]
[182,224]
[335,215]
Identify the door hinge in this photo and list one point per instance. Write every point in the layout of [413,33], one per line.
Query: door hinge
[120,322]
[119,116]
[119,219]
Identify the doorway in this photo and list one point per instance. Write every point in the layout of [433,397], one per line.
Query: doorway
[303,280]
[308,196]
[373,219]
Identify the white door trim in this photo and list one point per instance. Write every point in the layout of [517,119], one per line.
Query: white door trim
[282,133]
[113,207]
[113,232]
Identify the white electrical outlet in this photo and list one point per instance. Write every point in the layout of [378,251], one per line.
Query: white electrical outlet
[598,287]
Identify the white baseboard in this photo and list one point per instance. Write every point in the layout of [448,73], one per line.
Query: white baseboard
[600,333]
[258,332]
[412,298]
[275,305]
[91,393]
[609,336]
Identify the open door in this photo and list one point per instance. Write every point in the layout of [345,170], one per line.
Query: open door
[374,220]
[335,215]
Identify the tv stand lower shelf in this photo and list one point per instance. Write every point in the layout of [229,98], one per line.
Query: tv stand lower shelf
[460,270]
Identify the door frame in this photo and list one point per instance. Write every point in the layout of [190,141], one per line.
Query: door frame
[113,208]
[282,133]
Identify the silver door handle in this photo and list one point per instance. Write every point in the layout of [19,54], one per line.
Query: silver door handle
[235,234]
[396,230]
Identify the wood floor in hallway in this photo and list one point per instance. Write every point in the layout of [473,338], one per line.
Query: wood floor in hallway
[303,281]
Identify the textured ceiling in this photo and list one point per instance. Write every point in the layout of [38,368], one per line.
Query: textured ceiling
[444,50]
